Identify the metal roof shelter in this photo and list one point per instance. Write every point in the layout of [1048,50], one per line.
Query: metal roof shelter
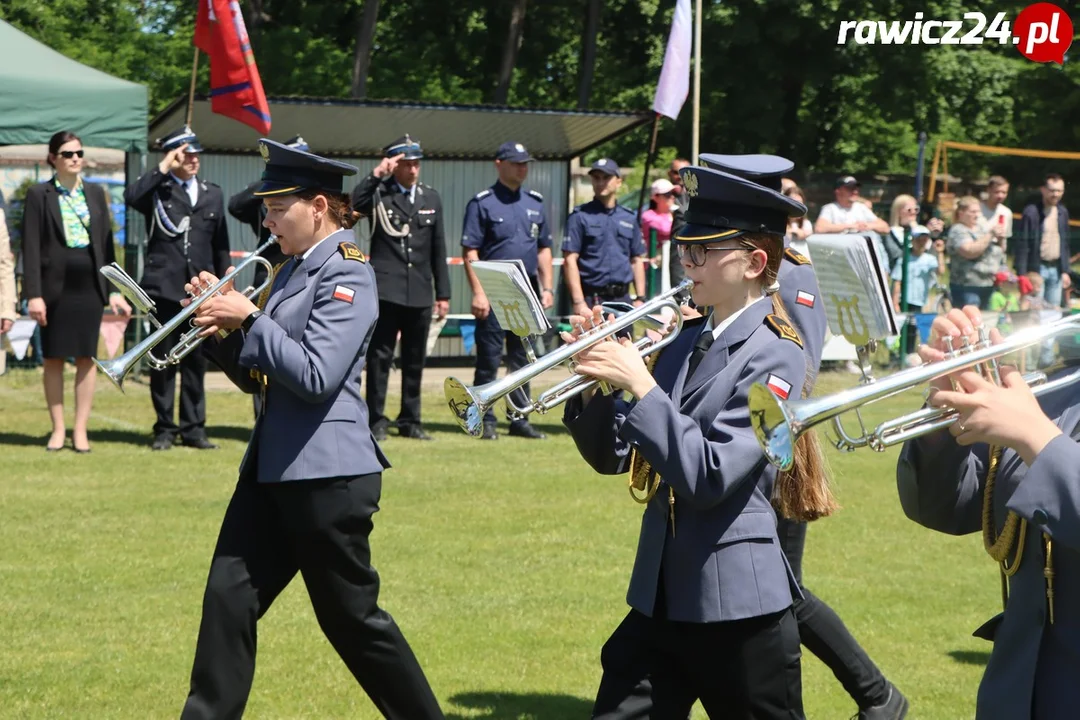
[360,128]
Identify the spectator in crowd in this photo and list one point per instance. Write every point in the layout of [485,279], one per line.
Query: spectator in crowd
[67,237]
[186,235]
[846,214]
[798,229]
[682,200]
[1042,241]
[659,218]
[975,255]
[922,272]
[994,210]
[1006,295]
[903,215]
[7,288]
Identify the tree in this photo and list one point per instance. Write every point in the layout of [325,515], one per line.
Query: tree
[514,31]
[588,51]
[365,37]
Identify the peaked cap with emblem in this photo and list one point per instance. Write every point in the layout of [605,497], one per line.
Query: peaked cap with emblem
[176,138]
[289,170]
[405,146]
[743,197]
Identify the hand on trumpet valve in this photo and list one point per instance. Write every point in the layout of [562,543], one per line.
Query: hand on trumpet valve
[617,363]
[951,333]
[203,282]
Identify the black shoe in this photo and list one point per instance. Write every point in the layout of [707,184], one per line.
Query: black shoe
[379,432]
[489,432]
[525,430]
[164,441]
[895,707]
[199,443]
[413,431]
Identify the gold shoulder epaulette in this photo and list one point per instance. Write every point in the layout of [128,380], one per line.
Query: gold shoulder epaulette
[349,251]
[796,257]
[783,328]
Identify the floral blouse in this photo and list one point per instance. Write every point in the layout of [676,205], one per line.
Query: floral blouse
[76,215]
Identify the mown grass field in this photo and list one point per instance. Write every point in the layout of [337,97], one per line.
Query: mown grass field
[505,563]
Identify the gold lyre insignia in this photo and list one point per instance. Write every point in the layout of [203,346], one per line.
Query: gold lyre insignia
[349,251]
[690,182]
[848,309]
[512,318]
[784,329]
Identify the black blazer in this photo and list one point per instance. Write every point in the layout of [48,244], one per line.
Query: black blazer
[406,267]
[44,241]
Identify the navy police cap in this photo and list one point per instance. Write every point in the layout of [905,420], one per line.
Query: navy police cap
[724,205]
[513,152]
[176,138]
[289,170]
[606,166]
[765,170]
[405,146]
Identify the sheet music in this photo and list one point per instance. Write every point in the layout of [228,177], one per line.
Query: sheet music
[854,281]
[512,297]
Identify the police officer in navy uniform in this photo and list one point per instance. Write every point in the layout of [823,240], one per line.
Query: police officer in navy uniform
[311,480]
[603,248]
[248,208]
[186,235]
[408,253]
[506,222]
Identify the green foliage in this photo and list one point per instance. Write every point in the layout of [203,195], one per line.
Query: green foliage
[773,77]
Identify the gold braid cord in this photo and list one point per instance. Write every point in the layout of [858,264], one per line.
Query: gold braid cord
[643,479]
[1012,534]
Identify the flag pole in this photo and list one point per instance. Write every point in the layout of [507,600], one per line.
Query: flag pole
[697,83]
[649,158]
[191,90]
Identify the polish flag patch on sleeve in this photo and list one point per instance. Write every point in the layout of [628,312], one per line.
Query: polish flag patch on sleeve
[344,294]
[780,387]
[805,298]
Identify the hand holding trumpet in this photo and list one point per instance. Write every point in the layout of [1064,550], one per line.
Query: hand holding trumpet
[614,361]
[225,311]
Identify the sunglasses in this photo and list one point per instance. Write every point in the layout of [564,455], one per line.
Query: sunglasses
[68,154]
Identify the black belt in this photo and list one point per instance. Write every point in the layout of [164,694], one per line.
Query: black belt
[613,289]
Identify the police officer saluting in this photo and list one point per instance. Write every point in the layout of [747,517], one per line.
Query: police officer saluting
[603,249]
[408,251]
[186,235]
[506,222]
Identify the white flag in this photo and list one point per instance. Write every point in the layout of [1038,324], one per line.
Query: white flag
[674,83]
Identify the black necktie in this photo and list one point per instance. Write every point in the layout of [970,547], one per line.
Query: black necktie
[701,347]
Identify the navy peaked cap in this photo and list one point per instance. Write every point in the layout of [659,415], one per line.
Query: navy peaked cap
[607,166]
[765,170]
[179,137]
[289,170]
[724,205]
[405,146]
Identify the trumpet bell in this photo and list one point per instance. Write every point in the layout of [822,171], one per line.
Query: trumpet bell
[467,409]
[115,370]
[775,427]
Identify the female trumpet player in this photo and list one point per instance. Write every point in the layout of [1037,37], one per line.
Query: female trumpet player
[1006,468]
[311,479]
[710,592]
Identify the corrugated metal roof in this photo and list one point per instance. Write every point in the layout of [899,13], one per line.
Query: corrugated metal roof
[339,126]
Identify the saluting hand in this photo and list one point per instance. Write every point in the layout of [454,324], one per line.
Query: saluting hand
[387,166]
[172,160]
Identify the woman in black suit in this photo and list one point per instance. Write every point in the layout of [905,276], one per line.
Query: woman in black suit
[67,238]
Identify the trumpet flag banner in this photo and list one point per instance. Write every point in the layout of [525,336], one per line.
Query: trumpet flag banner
[674,84]
[236,90]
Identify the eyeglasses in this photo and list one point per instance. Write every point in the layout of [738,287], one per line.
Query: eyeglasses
[68,154]
[698,253]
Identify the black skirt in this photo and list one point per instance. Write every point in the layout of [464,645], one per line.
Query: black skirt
[73,320]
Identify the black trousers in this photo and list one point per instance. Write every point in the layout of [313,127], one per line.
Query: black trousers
[740,669]
[319,528]
[823,632]
[490,338]
[413,323]
[163,382]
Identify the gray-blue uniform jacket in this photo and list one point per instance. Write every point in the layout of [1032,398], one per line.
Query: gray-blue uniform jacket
[309,348]
[802,299]
[722,559]
[1034,669]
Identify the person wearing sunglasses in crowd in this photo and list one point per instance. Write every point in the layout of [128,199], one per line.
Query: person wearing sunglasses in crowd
[711,594]
[67,238]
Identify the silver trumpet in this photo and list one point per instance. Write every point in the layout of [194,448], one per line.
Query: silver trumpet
[470,403]
[118,368]
[779,424]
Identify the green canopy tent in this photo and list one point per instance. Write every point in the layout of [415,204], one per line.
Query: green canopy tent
[42,91]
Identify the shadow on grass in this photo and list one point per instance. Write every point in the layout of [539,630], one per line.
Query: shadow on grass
[970,657]
[514,706]
[503,428]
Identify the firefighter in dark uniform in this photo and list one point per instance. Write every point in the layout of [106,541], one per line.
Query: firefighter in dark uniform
[506,222]
[603,249]
[408,254]
[248,209]
[186,235]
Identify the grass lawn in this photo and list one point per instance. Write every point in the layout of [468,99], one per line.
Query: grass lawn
[505,563]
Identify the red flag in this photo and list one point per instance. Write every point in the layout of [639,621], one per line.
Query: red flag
[235,88]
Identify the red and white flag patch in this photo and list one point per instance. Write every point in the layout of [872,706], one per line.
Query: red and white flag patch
[343,293]
[780,387]
[805,298]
